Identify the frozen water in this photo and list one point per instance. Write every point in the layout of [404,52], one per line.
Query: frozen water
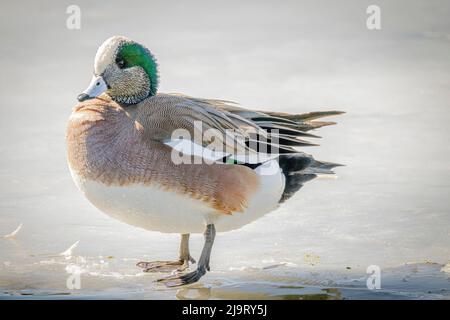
[389,205]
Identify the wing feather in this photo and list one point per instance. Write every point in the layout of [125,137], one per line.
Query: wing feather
[241,131]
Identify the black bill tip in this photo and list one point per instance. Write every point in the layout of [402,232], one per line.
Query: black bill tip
[83,97]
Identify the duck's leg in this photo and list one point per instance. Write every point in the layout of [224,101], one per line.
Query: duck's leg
[167,266]
[202,266]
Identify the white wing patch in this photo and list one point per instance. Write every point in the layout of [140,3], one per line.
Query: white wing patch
[190,148]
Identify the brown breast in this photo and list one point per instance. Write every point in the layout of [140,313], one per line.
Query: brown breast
[106,144]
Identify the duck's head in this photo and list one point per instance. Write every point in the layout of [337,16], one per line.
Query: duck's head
[123,69]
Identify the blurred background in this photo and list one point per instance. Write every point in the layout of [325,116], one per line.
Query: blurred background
[388,207]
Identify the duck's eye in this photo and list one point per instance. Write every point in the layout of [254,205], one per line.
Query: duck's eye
[120,63]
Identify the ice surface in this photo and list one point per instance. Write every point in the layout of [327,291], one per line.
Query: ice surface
[389,206]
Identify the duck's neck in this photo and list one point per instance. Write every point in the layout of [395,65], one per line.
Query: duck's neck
[131,93]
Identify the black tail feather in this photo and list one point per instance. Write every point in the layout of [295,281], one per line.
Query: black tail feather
[300,168]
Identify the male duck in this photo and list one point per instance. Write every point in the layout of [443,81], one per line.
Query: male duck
[125,158]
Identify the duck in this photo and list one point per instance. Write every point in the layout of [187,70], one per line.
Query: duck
[173,163]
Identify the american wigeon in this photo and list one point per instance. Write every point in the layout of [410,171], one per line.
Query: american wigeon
[124,156]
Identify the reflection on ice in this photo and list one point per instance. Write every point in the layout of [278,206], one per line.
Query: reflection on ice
[46,275]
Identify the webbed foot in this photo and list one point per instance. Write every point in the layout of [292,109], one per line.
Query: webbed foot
[165,266]
[183,279]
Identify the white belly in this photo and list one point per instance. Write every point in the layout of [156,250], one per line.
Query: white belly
[154,208]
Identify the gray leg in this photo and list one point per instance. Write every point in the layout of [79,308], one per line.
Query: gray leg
[167,266]
[184,249]
[202,266]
